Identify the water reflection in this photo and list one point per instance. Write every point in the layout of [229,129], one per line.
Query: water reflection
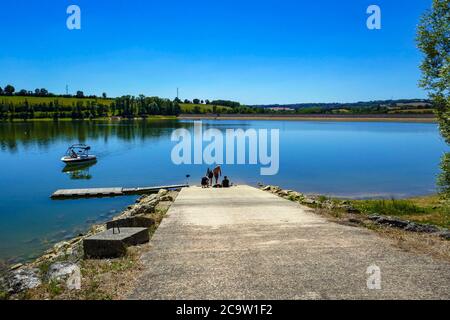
[344,159]
[44,133]
[79,171]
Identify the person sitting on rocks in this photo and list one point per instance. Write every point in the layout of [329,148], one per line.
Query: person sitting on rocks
[205,182]
[225,182]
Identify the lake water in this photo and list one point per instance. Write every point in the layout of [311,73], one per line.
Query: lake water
[346,159]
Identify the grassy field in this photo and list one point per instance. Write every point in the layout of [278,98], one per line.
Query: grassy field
[414,111]
[427,209]
[19,101]
[189,107]
[16,100]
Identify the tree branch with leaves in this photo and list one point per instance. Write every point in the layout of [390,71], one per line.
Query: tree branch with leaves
[433,38]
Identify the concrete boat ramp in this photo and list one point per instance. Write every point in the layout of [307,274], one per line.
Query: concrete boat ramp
[244,243]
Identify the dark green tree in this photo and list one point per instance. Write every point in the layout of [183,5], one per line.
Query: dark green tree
[9,90]
[12,111]
[176,108]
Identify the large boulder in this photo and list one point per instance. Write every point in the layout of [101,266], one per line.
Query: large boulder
[273,189]
[166,197]
[162,192]
[444,234]
[348,208]
[143,208]
[67,272]
[148,198]
[294,195]
[328,204]
[409,226]
[390,221]
[424,228]
[23,279]
[3,285]
[61,245]
[308,201]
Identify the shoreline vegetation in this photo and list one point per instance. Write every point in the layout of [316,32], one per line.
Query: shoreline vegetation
[417,224]
[425,118]
[41,104]
[315,117]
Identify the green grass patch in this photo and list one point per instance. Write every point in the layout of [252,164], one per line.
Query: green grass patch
[44,267]
[202,108]
[54,288]
[20,100]
[426,210]
[390,207]
[4,295]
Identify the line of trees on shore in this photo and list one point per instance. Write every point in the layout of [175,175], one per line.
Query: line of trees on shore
[127,107]
[42,104]
[224,103]
[10,90]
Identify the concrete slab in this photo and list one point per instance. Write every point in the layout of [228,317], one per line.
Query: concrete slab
[91,192]
[131,222]
[243,243]
[112,244]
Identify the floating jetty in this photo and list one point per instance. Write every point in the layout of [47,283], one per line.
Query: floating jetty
[109,192]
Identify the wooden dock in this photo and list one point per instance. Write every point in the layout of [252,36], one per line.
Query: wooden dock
[109,192]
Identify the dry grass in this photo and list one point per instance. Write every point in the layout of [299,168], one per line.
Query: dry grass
[101,280]
[409,241]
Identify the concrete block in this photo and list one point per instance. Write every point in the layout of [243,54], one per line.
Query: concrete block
[109,244]
[131,222]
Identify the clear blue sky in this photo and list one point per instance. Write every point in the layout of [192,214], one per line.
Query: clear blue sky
[255,52]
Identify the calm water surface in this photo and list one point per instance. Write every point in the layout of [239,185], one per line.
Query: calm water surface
[347,159]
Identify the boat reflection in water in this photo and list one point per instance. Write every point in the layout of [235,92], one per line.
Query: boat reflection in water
[79,171]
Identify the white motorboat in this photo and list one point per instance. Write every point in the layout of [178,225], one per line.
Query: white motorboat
[78,153]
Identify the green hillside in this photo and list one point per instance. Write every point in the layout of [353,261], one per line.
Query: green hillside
[202,108]
[20,100]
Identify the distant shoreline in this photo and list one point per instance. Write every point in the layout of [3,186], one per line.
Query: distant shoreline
[428,118]
[420,118]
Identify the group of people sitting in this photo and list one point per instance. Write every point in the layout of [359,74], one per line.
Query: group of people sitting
[207,181]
